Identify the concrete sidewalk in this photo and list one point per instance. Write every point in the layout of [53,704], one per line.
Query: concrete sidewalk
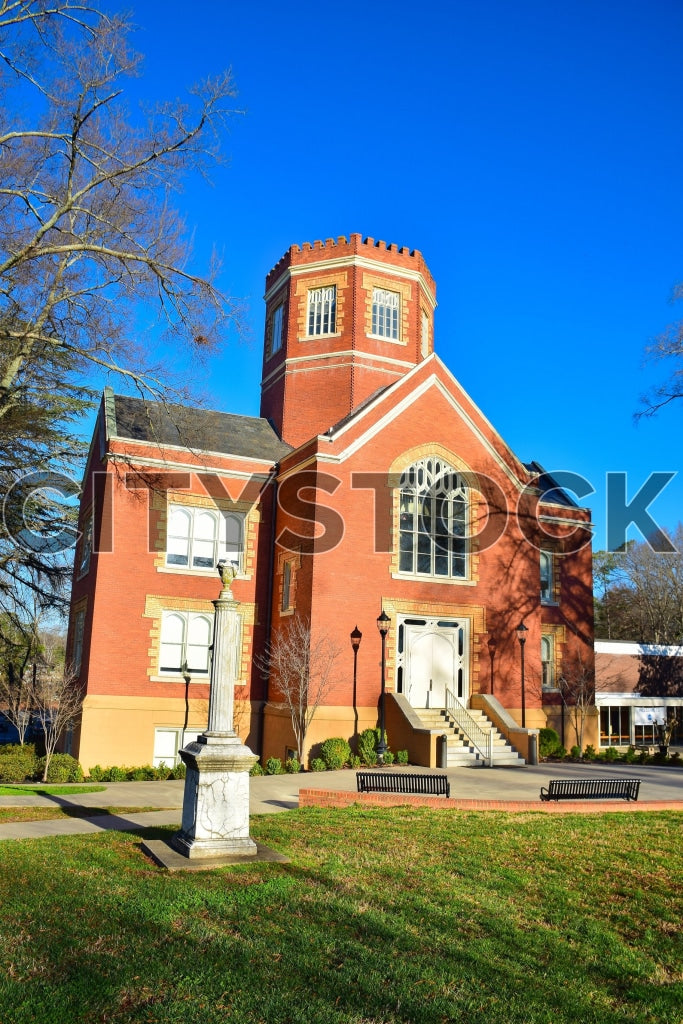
[270,794]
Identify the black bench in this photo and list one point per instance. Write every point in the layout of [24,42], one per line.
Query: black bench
[591,789]
[389,781]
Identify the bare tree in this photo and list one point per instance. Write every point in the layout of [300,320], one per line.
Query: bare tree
[57,700]
[96,267]
[576,684]
[86,228]
[642,592]
[16,698]
[302,665]
[667,348]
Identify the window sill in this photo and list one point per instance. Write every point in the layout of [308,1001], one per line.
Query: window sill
[320,337]
[421,578]
[179,570]
[383,337]
[171,678]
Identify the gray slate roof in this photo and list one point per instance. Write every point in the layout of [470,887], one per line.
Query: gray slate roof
[205,430]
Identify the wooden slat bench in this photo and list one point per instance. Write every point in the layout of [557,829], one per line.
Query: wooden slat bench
[389,781]
[591,789]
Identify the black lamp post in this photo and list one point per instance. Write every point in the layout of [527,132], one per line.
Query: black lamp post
[492,644]
[383,621]
[356,637]
[521,636]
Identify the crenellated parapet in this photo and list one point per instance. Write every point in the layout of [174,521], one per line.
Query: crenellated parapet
[309,253]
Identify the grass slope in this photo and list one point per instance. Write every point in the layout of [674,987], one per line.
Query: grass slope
[382,915]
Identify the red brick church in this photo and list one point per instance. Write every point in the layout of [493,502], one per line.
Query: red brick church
[371,482]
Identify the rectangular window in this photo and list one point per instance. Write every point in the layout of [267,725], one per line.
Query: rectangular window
[547,663]
[547,582]
[322,310]
[185,643]
[86,546]
[286,587]
[198,538]
[424,338]
[276,336]
[385,310]
[615,726]
[77,649]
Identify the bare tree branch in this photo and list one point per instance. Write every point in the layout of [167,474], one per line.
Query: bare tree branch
[302,666]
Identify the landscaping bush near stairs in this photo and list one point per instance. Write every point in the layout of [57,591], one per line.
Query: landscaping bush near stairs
[548,743]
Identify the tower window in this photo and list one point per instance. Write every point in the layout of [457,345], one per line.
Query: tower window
[276,335]
[424,339]
[322,310]
[385,309]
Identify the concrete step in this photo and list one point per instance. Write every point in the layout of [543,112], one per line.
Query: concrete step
[459,749]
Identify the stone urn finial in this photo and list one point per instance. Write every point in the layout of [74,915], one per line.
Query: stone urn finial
[227,572]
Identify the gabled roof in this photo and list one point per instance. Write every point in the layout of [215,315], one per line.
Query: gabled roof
[202,430]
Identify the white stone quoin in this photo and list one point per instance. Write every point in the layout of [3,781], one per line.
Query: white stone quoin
[215,820]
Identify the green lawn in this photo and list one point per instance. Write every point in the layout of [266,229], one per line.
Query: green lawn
[66,790]
[382,915]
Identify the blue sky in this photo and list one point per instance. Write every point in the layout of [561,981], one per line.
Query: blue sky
[531,151]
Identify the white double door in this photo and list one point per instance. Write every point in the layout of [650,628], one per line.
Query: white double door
[435,658]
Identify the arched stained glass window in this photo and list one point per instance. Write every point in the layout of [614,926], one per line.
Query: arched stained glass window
[433,520]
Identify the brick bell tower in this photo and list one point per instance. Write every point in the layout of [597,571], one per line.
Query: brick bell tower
[343,319]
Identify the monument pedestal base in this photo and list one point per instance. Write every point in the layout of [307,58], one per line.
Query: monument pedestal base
[215,820]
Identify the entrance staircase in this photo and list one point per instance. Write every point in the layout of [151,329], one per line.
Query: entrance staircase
[461,752]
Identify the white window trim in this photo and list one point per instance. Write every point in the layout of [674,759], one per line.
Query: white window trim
[195,674]
[392,307]
[551,687]
[220,548]
[437,468]
[315,308]
[550,599]
[277,329]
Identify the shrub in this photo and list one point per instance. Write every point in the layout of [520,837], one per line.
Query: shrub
[335,752]
[589,753]
[560,752]
[116,775]
[354,761]
[17,762]
[274,766]
[257,769]
[180,771]
[367,746]
[630,755]
[292,766]
[575,751]
[611,754]
[318,765]
[548,743]
[388,757]
[401,757]
[62,768]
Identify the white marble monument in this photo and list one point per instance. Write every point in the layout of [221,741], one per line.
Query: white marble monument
[215,820]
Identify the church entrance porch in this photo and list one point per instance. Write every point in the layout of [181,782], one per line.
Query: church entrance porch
[433,658]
